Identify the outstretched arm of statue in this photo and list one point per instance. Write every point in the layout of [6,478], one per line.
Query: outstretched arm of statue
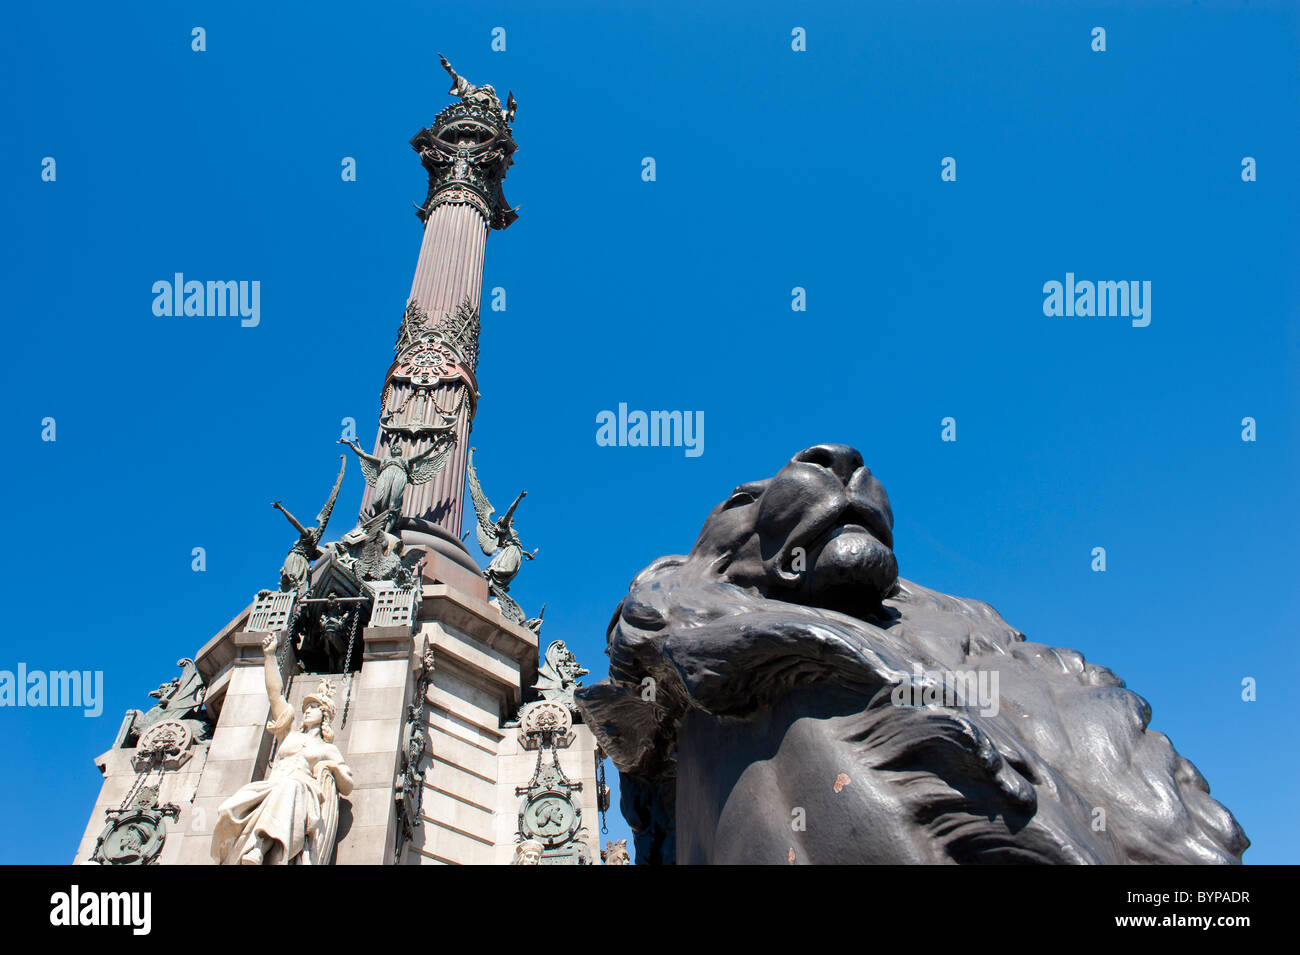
[456,78]
[292,520]
[281,712]
[459,85]
[511,509]
[357,448]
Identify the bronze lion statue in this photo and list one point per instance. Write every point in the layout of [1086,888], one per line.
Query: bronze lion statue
[781,695]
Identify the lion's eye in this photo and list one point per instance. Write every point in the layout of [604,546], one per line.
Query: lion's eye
[739,498]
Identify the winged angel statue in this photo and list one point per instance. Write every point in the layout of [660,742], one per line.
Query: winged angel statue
[499,541]
[293,573]
[390,476]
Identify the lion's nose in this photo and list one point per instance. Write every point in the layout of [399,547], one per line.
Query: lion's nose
[839,459]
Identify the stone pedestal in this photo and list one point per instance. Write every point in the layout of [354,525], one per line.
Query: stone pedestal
[473,765]
[474,761]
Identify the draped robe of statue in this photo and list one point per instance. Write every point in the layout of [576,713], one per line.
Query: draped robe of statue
[390,486]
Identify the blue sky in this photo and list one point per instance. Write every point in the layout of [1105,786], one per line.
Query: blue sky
[775,169]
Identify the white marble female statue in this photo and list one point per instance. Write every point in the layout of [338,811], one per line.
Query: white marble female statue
[291,816]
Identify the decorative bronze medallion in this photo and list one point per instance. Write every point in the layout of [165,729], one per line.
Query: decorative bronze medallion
[550,818]
[134,835]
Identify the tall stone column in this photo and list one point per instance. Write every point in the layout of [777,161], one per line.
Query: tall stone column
[431,392]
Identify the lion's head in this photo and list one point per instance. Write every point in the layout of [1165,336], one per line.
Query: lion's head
[819,533]
[783,667]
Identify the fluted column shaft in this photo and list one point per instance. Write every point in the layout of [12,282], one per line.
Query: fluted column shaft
[448,274]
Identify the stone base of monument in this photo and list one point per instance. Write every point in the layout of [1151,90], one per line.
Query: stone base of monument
[475,775]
